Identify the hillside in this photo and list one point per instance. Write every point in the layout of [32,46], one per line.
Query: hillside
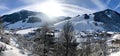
[106,20]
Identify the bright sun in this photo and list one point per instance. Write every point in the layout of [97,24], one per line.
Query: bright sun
[52,8]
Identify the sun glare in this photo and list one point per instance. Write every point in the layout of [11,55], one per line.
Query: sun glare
[52,8]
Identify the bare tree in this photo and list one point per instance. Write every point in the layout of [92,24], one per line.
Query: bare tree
[44,40]
[3,37]
[1,27]
[68,39]
[94,48]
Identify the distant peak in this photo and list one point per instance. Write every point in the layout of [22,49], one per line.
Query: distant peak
[25,11]
[108,10]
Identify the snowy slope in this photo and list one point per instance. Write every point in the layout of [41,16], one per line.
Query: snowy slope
[82,24]
[26,31]
[115,54]
[23,25]
[107,20]
[28,19]
[12,51]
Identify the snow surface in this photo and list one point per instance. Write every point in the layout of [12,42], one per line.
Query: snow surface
[117,36]
[115,54]
[12,51]
[109,15]
[23,25]
[81,24]
[26,31]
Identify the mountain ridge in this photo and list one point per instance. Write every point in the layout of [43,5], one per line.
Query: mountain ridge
[107,20]
[28,19]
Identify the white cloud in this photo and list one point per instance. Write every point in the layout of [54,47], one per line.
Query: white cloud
[34,1]
[74,10]
[78,8]
[68,9]
[108,2]
[3,7]
[117,6]
[65,7]
[99,4]
[31,1]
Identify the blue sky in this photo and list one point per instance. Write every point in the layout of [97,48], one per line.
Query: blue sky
[73,6]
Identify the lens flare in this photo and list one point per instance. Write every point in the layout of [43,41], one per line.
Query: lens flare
[52,8]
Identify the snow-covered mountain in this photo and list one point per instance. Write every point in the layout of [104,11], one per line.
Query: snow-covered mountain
[110,18]
[81,23]
[28,19]
[28,23]
[107,20]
